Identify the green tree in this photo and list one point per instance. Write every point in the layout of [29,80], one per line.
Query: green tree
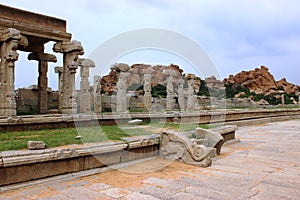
[159,91]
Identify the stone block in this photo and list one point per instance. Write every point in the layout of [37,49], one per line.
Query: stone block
[135,122]
[36,145]
[211,138]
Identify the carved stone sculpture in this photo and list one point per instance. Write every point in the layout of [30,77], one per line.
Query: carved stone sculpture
[196,151]
[210,138]
[177,146]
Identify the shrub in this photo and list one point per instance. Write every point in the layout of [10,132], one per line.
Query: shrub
[159,91]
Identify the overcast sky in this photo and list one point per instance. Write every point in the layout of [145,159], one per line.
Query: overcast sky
[236,34]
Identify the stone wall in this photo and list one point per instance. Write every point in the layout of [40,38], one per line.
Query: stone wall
[27,100]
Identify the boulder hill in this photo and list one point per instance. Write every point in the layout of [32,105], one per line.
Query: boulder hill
[261,81]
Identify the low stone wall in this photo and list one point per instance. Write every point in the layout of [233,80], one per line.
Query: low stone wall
[27,100]
[26,165]
[51,121]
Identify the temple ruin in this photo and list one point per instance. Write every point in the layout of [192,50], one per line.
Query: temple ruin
[26,31]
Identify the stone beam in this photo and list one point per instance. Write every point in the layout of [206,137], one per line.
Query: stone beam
[42,57]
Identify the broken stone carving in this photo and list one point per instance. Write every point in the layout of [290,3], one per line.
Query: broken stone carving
[209,138]
[196,151]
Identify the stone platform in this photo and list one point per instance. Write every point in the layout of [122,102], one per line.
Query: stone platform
[264,165]
[235,117]
[27,165]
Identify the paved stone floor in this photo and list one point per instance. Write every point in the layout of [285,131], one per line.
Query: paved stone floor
[264,165]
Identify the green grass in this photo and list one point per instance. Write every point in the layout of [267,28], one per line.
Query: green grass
[66,136]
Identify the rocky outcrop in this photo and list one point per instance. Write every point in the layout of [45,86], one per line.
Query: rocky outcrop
[260,81]
[214,84]
[286,86]
[136,76]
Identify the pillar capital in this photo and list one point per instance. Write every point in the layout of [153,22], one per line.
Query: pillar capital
[42,57]
[10,34]
[84,62]
[120,67]
[66,47]
[169,72]
[58,69]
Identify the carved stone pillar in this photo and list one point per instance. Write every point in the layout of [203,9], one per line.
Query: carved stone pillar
[85,96]
[8,52]
[97,94]
[43,59]
[121,100]
[70,51]
[59,71]
[170,88]
[180,95]
[147,92]
[191,99]
[282,100]
[299,98]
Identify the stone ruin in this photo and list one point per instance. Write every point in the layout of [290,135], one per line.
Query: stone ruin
[195,148]
[18,34]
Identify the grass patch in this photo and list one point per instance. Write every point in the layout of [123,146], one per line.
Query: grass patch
[66,136]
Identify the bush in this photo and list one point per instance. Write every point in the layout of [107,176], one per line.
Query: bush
[280,88]
[159,91]
[231,91]
[203,90]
